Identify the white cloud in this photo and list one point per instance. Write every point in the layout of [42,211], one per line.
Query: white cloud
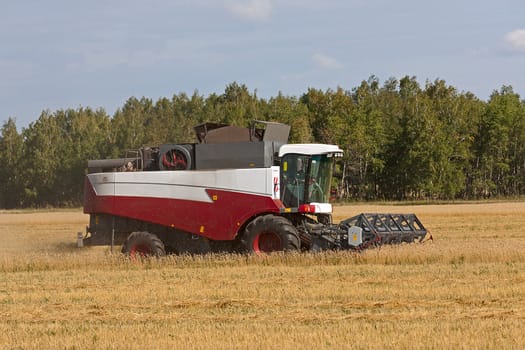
[252,10]
[516,39]
[326,62]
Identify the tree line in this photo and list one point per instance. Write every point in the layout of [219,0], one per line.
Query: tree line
[401,140]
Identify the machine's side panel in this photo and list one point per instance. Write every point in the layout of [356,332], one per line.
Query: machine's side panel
[214,204]
[235,155]
[95,187]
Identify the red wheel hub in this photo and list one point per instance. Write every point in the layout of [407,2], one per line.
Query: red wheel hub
[140,250]
[174,160]
[267,242]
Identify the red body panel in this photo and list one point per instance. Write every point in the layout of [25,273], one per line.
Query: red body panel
[219,219]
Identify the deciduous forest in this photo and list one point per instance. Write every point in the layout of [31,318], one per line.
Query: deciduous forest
[402,141]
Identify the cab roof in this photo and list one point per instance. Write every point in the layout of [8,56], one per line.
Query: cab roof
[309,149]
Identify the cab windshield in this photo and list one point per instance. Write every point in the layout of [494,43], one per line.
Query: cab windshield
[305,179]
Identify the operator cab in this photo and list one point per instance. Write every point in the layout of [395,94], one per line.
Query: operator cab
[306,173]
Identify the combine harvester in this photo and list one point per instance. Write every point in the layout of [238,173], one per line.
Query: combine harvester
[236,190]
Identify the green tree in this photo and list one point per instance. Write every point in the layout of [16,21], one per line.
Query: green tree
[413,146]
[187,114]
[451,141]
[238,106]
[366,140]
[329,112]
[290,111]
[401,141]
[55,153]
[11,187]
[130,125]
[40,160]
[500,146]
[85,134]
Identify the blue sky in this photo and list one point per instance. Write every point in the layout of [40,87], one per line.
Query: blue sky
[59,54]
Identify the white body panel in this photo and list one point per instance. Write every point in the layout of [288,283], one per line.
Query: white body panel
[322,208]
[188,185]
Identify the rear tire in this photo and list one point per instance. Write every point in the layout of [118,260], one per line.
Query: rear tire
[142,244]
[270,233]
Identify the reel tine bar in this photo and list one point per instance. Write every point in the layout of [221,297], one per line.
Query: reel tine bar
[389,228]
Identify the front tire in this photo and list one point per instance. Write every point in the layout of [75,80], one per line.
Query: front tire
[142,244]
[270,233]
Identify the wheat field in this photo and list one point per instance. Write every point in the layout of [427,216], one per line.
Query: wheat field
[465,289]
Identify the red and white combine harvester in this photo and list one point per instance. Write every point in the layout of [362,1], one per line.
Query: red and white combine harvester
[236,190]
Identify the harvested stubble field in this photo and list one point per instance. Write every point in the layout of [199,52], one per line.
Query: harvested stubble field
[465,289]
